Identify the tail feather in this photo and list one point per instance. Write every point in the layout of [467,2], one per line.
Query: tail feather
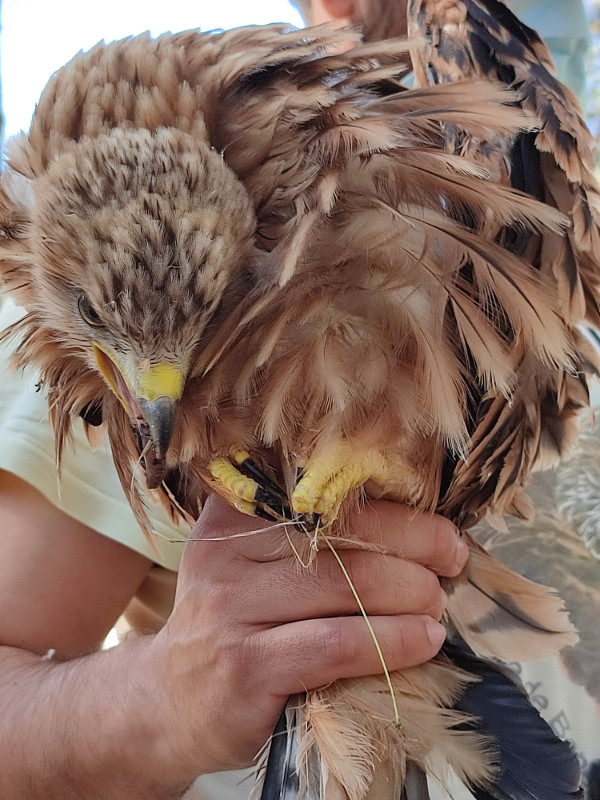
[349,747]
[415,784]
[503,615]
[340,743]
[535,764]
[278,767]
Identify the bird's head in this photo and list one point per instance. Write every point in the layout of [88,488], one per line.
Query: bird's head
[143,241]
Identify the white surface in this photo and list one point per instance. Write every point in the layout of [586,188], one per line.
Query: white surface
[39,36]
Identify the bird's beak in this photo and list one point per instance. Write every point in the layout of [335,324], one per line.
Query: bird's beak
[159,390]
[149,393]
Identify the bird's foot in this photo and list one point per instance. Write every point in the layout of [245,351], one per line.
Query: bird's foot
[322,485]
[247,487]
[329,477]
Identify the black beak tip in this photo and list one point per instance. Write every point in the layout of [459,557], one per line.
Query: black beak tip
[160,418]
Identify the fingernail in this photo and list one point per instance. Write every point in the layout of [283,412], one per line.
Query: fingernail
[462,552]
[436,633]
[444,601]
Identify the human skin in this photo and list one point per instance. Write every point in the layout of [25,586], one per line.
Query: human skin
[249,628]
[378,19]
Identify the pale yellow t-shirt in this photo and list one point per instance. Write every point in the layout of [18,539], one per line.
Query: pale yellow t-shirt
[89,489]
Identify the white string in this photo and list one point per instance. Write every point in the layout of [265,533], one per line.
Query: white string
[241,535]
[137,466]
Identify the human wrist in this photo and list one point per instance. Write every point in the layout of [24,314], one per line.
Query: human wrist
[142,724]
[95,731]
[186,702]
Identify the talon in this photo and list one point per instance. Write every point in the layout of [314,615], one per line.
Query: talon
[268,498]
[251,469]
[245,486]
[307,523]
[329,477]
[265,513]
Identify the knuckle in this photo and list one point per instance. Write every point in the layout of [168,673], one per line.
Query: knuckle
[237,661]
[361,570]
[334,576]
[409,645]
[420,593]
[395,649]
[430,592]
[401,644]
[329,571]
[433,599]
[235,673]
[217,602]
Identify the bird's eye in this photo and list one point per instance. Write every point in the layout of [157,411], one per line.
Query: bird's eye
[88,312]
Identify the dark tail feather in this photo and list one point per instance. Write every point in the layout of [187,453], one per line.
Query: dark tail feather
[280,777]
[415,784]
[534,763]
[593,782]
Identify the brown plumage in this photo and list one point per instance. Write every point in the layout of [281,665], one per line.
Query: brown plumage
[560,547]
[255,241]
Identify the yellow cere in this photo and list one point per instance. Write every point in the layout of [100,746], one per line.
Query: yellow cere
[160,380]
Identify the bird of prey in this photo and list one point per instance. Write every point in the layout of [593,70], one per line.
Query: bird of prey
[269,270]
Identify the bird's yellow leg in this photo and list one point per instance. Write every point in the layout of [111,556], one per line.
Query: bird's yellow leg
[244,484]
[238,489]
[331,475]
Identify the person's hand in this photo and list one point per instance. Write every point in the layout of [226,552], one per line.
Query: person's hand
[251,626]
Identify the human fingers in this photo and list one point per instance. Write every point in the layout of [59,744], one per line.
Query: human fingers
[335,583]
[224,528]
[429,539]
[240,549]
[306,655]
[227,544]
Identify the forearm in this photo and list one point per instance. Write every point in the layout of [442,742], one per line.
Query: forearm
[89,728]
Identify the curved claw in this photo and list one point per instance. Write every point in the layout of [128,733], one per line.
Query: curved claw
[329,477]
[247,487]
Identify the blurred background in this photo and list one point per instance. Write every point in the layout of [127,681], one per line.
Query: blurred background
[39,36]
[593,83]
